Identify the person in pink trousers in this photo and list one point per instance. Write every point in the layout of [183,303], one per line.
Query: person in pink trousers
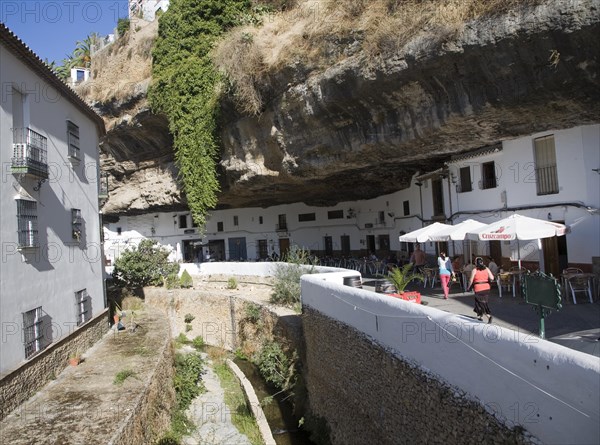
[446,272]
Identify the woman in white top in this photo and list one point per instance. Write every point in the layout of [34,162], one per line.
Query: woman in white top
[445,266]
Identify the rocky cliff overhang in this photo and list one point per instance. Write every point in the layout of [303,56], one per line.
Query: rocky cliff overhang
[363,128]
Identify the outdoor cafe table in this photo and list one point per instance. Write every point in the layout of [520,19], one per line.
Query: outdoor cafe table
[568,287]
[514,276]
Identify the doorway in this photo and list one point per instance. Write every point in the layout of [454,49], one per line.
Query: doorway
[370,244]
[554,253]
[284,247]
[328,246]
[192,251]
[237,249]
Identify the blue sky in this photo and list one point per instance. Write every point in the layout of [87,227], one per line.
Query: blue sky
[52,28]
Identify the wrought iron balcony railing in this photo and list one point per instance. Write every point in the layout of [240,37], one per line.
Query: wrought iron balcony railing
[29,153]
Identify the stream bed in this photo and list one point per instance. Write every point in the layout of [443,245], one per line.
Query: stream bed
[281,419]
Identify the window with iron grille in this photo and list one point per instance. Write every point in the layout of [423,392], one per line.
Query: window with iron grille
[335,214]
[84,306]
[304,217]
[27,223]
[488,175]
[73,139]
[546,175]
[236,221]
[183,221]
[32,331]
[76,223]
[406,208]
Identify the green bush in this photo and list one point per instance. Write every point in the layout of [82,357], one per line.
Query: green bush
[188,318]
[172,281]
[232,283]
[286,288]
[198,343]
[186,280]
[253,311]
[275,366]
[143,265]
[123,26]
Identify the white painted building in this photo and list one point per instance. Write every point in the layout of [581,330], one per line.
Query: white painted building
[51,268]
[468,187]
[147,9]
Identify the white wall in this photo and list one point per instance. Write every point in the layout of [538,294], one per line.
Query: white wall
[48,276]
[552,391]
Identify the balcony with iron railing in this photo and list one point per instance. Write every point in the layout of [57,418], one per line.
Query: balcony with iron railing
[29,153]
[281,227]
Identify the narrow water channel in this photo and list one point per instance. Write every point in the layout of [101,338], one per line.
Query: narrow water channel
[283,423]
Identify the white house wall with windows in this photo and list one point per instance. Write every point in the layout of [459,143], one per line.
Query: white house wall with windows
[486,184]
[51,268]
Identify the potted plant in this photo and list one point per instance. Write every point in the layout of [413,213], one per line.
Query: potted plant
[400,277]
[75,358]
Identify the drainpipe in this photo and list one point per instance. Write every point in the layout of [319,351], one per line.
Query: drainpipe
[420,184]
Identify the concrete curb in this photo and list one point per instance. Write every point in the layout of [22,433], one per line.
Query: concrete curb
[257,410]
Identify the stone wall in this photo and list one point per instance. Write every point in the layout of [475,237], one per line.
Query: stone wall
[151,416]
[23,382]
[368,395]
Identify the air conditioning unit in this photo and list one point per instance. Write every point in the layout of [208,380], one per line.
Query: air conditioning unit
[368,225]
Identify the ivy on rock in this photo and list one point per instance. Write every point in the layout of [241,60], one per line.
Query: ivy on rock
[186,88]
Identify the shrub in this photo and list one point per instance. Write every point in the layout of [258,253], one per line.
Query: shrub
[286,289]
[172,281]
[123,26]
[186,280]
[188,318]
[188,327]
[232,283]
[252,312]
[143,265]
[198,343]
[275,366]
[123,375]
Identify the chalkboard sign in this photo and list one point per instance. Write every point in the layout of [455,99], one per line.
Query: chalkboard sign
[542,290]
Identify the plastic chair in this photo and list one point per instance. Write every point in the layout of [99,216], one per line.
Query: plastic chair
[580,284]
[505,281]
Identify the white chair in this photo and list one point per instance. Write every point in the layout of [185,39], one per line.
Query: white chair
[580,284]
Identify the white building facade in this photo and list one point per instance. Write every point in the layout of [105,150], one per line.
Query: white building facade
[551,175]
[147,9]
[51,269]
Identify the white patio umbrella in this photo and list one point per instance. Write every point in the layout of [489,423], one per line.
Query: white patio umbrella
[457,232]
[518,227]
[422,235]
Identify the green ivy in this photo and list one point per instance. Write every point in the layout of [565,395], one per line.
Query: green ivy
[186,87]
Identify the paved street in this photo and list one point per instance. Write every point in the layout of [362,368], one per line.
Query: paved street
[574,326]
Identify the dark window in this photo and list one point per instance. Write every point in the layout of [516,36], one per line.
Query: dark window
[546,175]
[438,197]
[220,226]
[84,306]
[406,205]
[236,221]
[335,214]
[260,219]
[32,331]
[381,217]
[27,223]
[76,223]
[465,184]
[304,217]
[119,230]
[281,222]
[73,139]
[488,175]
[183,221]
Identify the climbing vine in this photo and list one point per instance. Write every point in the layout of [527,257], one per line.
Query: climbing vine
[186,88]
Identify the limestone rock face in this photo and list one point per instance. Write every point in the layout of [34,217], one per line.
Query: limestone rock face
[362,128]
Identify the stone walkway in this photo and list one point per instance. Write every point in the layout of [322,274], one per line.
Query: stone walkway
[210,414]
[84,405]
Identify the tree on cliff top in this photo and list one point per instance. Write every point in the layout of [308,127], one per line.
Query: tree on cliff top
[186,88]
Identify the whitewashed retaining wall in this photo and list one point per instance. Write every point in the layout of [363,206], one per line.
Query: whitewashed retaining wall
[552,391]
